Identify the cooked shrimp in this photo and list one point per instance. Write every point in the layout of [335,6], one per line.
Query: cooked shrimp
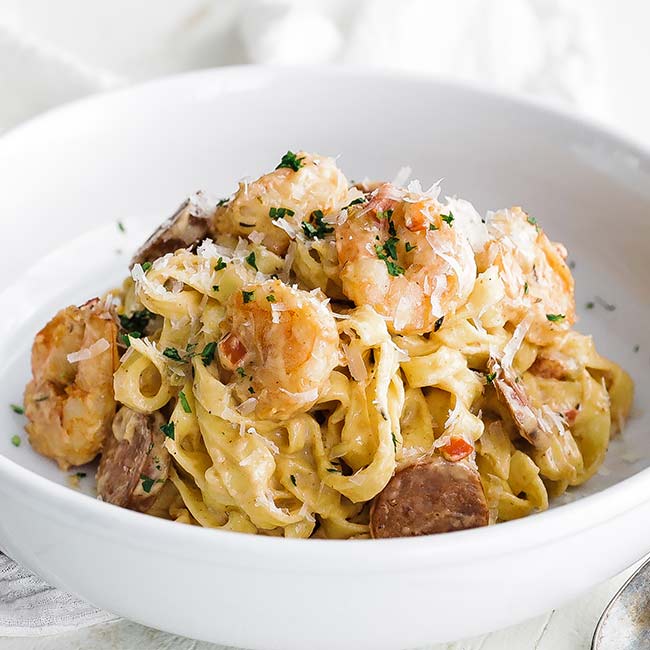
[281,344]
[536,278]
[284,198]
[69,402]
[400,255]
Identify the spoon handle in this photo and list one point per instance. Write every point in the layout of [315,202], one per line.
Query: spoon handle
[625,623]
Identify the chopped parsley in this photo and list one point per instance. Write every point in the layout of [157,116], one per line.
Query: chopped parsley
[146,266]
[432,226]
[280,213]
[333,470]
[438,324]
[384,214]
[120,226]
[270,298]
[525,288]
[531,220]
[215,287]
[207,355]
[137,322]
[409,247]
[293,479]
[220,264]
[361,199]
[80,474]
[290,160]
[251,390]
[389,250]
[590,305]
[169,430]
[448,218]
[392,435]
[15,440]
[490,377]
[393,269]
[320,229]
[250,260]
[184,403]
[241,372]
[147,482]
[172,353]
[554,318]
[16,408]
[221,202]
[247,296]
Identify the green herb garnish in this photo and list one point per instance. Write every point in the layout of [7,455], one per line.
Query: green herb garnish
[169,430]
[280,213]
[490,377]
[80,474]
[247,296]
[184,403]
[146,266]
[432,226]
[392,435]
[409,247]
[438,324]
[172,353]
[290,161]
[241,372]
[220,264]
[448,218]
[361,199]
[525,288]
[120,226]
[554,318]
[250,260]
[215,287]
[137,322]
[333,470]
[293,479]
[270,298]
[147,482]
[590,305]
[319,230]
[207,355]
[16,408]
[15,440]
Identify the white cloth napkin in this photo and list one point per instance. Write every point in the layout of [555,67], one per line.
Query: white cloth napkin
[30,607]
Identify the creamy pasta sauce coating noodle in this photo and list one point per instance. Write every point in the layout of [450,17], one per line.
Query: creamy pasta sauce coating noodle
[334,360]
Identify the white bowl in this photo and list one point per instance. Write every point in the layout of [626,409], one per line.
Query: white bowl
[67,177]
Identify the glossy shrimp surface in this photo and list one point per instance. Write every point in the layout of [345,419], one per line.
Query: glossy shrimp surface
[400,255]
[69,402]
[281,344]
[538,283]
[281,200]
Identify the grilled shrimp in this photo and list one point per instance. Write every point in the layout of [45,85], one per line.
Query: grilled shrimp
[533,269]
[281,345]
[400,255]
[69,402]
[284,197]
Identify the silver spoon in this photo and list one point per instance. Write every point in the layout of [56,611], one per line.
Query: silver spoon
[625,623]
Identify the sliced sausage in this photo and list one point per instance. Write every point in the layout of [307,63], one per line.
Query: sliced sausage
[135,463]
[189,225]
[512,394]
[433,497]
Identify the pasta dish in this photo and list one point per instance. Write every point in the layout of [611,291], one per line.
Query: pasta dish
[313,357]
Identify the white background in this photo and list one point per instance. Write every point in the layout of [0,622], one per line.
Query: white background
[591,57]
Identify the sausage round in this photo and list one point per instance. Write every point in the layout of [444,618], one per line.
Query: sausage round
[135,463]
[434,497]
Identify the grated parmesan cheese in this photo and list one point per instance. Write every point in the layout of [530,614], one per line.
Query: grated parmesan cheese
[91,351]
